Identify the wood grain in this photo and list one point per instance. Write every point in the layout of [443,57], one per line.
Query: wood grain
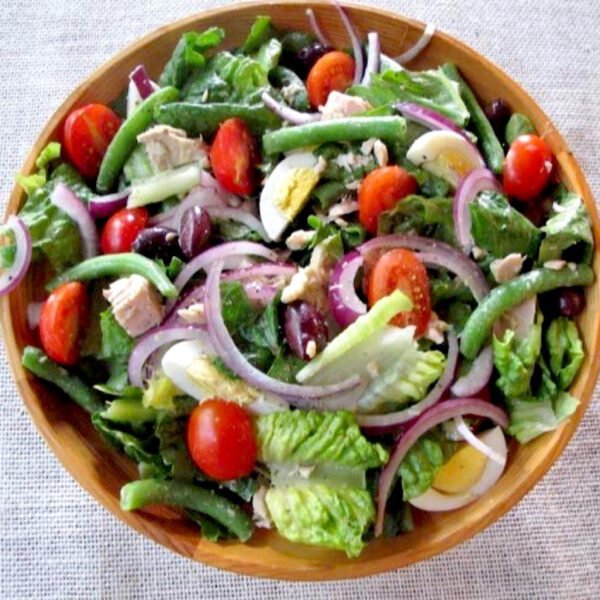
[102,471]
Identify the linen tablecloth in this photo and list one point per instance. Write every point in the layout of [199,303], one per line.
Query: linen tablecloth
[57,542]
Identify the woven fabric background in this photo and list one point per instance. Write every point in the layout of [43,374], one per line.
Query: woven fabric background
[57,542]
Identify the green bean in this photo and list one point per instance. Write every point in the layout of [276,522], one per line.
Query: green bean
[492,149]
[138,494]
[510,294]
[125,140]
[517,125]
[204,119]
[336,130]
[39,364]
[109,265]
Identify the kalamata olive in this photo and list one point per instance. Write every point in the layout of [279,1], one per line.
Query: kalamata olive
[158,242]
[305,329]
[498,114]
[571,302]
[308,56]
[194,231]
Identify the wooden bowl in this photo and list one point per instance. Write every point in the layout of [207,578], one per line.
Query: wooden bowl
[102,471]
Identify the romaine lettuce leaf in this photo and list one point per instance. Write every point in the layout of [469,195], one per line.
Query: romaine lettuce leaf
[30,183]
[567,226]
[430,217]
[262,29]
[565,351]
[432,89]
[515,359]
[311,438]
[530,417]
[115,350]
[501,229]
[323,516]
[422,462]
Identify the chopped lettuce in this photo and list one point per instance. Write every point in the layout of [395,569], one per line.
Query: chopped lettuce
[515,359]
[568,225]
[128,410]
[530,417]
[310,438]
[171,433]
[500,229]
[430,217]
[321,515]
[262,29]
[115,350]
[565,351]
[432,89]
[160,393]
[423,461]
[30,183]
[189,55]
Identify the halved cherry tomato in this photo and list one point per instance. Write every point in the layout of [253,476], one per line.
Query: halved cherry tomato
[121,229]
[380,191]
[402,270]
[220,439]
[87,133]
[334,71]
[63,317]
[527,168]
[233,156]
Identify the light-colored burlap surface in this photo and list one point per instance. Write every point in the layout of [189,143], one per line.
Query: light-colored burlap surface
[57,542]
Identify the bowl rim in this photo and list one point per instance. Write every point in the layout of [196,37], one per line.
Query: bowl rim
[348,569]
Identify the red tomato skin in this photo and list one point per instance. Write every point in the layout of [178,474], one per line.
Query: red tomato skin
[120,231]
[233,156]
[380,191]
[220,439]
[334,71]
[86,134]
[527,168]
[64,315]
[402,270]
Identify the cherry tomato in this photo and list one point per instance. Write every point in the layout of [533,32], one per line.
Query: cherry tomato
[87,133]
[402,270]
[527,168]
[233,156]
[220,439]
[380,191]
[334,71]
[63,317]
[121,229]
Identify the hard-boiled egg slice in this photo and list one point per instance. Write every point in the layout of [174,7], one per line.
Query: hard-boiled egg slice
[469,473]
[178,359]
[286,191]
[446,154]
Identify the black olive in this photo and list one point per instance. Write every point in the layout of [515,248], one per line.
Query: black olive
[158,242]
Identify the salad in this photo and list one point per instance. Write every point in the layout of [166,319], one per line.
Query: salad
[304,288]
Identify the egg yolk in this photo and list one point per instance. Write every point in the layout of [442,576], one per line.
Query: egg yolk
[461,472]
[294,191]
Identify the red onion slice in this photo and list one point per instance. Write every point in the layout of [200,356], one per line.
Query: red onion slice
[356,47]
[143,83]
[478,376]
[476,181]
[64,198]
[345,304]
[299,395]
[268,269]
[373,57]
[314,25]
[285,112]
[223,251]
[102,207]
[383,423]
[429,118]
[463,429]
[152,341]
[438,414]
[420,45]
[437,254]
[12,276]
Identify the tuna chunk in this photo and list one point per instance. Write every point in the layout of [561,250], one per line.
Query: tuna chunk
[340,105]
[168,147]
[505,269]
[135,303]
